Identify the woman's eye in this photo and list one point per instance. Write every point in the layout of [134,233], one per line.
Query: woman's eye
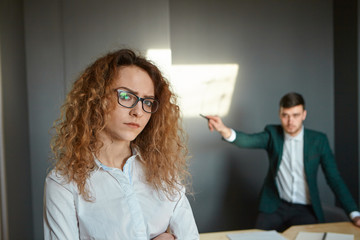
[148,103]
[124,96]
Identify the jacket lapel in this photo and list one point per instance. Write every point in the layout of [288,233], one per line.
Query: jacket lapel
[281,147]
[306,152]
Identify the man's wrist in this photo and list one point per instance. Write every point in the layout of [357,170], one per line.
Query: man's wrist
[232,135]
[354,214]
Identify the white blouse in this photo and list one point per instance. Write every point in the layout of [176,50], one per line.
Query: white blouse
[124,206]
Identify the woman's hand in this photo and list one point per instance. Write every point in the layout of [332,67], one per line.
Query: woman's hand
[165,236]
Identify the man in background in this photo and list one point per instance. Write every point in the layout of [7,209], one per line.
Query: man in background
[290,195]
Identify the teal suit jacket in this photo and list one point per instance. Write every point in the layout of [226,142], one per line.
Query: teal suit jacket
[317,153]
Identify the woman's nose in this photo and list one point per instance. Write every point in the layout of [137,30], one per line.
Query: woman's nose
[137,110]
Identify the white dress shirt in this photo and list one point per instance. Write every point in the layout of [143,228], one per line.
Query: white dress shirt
[124,207]
[291,179]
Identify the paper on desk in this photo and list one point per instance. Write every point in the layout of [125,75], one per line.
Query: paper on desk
[266,235]
[339,236]
[310,236]
[320,235]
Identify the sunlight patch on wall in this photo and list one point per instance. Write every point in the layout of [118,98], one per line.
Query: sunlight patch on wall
[201,88]
[162,59]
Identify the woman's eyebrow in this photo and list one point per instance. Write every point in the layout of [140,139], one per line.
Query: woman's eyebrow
[135,92]
[127,89]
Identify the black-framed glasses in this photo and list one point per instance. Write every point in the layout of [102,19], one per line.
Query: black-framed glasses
[129,100]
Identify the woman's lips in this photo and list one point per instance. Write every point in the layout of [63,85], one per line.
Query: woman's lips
[132,125]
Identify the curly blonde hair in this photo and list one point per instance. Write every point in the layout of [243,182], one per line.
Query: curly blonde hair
[162,143]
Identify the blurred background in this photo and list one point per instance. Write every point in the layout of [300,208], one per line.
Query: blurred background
[233,58]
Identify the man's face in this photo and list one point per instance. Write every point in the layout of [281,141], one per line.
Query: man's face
[292,119]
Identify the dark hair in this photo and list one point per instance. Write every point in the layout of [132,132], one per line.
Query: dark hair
[292,99]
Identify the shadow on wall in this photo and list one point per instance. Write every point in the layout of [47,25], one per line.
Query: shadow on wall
[334,214]
[241,198]
[235,176]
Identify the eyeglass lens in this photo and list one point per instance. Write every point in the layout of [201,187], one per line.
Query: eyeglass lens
[129,100]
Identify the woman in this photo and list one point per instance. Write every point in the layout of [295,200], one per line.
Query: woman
[120,158]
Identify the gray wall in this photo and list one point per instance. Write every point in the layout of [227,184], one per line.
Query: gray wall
[346,91]
[280,46]
[15,121]
[358,99]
